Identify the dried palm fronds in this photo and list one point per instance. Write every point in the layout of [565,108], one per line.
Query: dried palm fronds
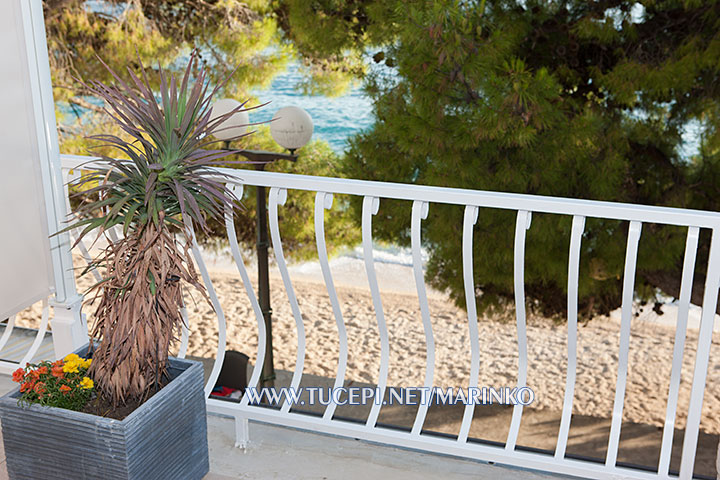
[137,314]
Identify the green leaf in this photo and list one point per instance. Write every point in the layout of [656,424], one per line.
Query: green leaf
[129,217]
[153,287]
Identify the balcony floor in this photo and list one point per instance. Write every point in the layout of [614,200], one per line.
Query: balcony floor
[283,453]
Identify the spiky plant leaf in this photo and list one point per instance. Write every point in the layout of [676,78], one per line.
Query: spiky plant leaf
[168,165]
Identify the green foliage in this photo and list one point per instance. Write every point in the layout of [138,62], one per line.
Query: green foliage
[333,36]
[569,99]
[331,77]
[332,27]
[229,35]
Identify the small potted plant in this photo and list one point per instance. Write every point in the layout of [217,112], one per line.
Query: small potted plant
[132,411]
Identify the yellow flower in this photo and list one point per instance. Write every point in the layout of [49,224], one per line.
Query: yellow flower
[87,383]
[73,357]
[73,362]
[71,366]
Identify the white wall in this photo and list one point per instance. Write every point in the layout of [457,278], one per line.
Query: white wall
[26,273]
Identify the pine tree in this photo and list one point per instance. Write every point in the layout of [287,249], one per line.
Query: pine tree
[569,99]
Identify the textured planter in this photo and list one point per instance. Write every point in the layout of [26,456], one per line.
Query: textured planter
[165,438]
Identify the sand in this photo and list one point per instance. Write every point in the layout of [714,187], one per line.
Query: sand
[650,347]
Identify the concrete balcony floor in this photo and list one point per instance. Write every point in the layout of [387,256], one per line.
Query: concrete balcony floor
[283,453]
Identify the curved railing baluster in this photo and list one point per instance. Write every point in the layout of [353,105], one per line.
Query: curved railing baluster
[370,207]
[185,326]
[578,226]
[235,249]
[323,201]
[702,357]
[279,196]
[626,316]
[469,219]
[8,331]
[67,177]
[87,257]
[419,213]
[112,233]
[39,337]
[688,274]
[185,332]
[222,333]
[522,224]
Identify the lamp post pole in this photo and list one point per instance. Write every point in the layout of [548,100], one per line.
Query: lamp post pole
[262,158]
[291,127]
[267,378]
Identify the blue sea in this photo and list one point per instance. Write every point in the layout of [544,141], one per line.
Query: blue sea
[334,119]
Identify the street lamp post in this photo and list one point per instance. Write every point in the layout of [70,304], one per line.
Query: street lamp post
[291,128]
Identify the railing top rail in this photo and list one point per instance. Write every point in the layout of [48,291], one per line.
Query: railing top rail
[457,196]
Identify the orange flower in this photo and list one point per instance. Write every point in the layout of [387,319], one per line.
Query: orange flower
[57,363]
[34,375]
[18,375]
[25,387]
[65,389]
[39,388]
[57,371]
[42,370]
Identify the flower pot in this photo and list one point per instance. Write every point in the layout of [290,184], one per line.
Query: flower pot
[164,438]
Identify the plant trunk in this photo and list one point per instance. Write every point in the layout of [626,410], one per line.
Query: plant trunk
[138,315]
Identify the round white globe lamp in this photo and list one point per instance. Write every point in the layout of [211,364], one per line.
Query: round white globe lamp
[233,127]
[291,127]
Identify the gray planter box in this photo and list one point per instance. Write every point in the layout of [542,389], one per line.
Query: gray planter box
[165,438]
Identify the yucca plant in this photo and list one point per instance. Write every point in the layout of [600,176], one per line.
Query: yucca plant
[161,184]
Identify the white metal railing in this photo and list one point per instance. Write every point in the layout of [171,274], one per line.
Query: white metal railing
[473,201]
[22,344]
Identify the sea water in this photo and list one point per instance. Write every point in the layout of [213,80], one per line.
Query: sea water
[334,119]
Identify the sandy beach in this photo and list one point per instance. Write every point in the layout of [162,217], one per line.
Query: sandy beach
[650,347]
